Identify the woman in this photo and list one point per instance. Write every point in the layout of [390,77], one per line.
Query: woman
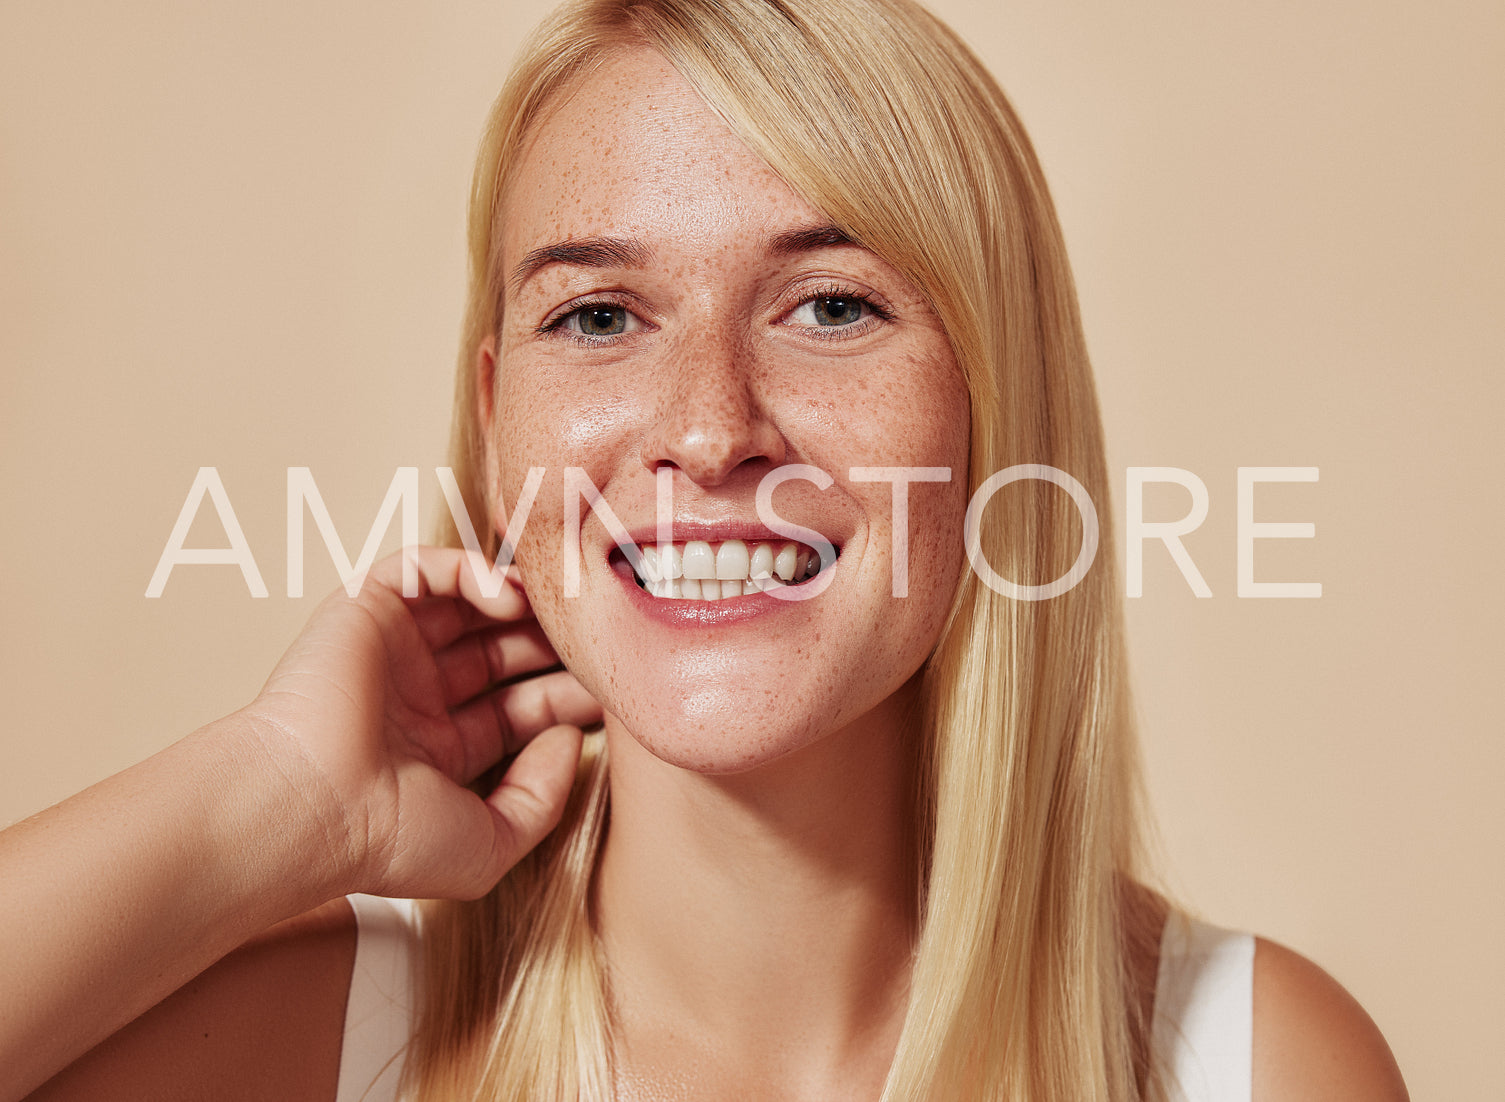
[833,841]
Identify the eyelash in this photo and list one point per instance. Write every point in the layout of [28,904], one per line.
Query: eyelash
[556,326]
[842,332]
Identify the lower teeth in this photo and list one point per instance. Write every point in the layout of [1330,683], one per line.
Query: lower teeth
[712,589]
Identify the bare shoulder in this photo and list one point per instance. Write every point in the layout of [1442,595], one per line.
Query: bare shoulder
[267,1021]
[1312,1040]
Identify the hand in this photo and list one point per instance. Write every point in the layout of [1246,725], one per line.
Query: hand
[385,707]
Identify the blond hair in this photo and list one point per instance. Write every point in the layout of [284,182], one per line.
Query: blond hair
[1020,985]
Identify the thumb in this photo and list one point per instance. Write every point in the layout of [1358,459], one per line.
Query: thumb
[531,798]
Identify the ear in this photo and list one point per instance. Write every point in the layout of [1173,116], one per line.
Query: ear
[485,404]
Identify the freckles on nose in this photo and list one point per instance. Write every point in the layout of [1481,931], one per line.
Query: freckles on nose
[710,422]
[708,447]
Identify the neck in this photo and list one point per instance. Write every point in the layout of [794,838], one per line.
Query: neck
[765,918]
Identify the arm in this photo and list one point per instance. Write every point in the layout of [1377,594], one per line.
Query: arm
[120,895]
[267,1021]
[345,774]
[1313,1042]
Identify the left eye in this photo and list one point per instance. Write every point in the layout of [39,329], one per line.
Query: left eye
[831,311]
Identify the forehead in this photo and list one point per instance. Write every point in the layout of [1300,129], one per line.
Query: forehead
[633,151]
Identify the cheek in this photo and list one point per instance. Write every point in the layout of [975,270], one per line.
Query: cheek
[547,419]
[921,418]
[931,414]
[913,412]
[525,435]
[937,544]
[556,419]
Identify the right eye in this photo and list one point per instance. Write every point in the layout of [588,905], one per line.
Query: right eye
[594,321]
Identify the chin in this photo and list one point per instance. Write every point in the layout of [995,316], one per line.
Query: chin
[724,731]
[715,733]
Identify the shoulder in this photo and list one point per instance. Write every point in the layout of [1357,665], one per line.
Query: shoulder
[1312,1040]
[267,1021]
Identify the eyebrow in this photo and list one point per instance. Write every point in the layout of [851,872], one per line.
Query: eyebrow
[621,252]
[808,238]
[583,252]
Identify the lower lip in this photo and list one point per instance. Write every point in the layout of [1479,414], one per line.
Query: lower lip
[678,612]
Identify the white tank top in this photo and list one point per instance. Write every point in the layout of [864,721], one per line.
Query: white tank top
[1202,1028]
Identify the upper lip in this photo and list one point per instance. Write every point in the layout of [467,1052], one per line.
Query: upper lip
[683,531]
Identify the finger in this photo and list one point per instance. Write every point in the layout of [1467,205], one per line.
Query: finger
[442,620]
[481,659]
[450,572]
[462,845]
[506,719]
[531,798]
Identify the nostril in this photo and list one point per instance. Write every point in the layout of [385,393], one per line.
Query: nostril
[709,435]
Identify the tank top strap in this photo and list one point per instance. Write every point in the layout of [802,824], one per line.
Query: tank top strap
[1204,1012]
[380,1011]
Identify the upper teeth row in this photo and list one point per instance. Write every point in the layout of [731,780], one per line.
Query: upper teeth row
[728,561]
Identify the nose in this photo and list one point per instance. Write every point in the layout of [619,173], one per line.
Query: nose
[711,415]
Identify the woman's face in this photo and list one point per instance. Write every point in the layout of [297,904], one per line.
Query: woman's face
[673,306]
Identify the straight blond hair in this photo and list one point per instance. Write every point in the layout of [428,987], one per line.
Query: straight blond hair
[881,118]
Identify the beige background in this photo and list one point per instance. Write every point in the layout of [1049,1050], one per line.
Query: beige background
[231,235]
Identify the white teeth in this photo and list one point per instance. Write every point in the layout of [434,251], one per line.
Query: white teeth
[785,562]
[706,571]
[732,560]
[761,565]
[671,561]
[699,561]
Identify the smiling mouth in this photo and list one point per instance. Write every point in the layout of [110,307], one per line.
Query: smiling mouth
[698,570]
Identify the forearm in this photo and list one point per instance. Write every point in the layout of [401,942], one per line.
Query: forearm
[117,897]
